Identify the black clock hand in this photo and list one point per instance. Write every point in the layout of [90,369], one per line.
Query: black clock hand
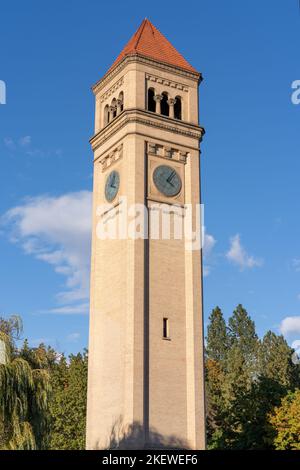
[169,179]
[112,185]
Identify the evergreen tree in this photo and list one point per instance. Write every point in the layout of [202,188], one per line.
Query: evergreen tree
[68,404]
[216,358]
[245,379]
[241,372]
[217,337]
[275,360]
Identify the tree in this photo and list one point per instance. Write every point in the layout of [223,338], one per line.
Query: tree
[217,337]
[216,354]
[245,379]
[275,360]
[24,394]
[285,421]
[243,344]
[241,371]
[68,403]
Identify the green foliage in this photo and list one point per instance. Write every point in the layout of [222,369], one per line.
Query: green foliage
[285,422]
[217,337]
[24,395]
[42,394]
[245,379]
[68,403]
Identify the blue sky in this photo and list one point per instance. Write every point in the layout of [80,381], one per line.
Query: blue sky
[51,54]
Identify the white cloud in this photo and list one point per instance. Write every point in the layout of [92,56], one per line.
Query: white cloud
[37,341]
[238,255]
[57,230]
[296,264]
[290,325]
[296,344]
[208,245]
[9,143]
[73,337]
[24,141]
[79,309]
[24,145]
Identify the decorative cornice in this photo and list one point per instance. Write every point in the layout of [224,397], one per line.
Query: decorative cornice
[147,61]
[112,89]
[147,118]
[169,153]
[109,158]
[165,82]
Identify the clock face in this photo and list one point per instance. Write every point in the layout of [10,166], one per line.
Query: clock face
[167,180]
[112,185]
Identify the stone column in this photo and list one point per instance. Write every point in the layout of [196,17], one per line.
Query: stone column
[119,107]
[157,99]
[171,102]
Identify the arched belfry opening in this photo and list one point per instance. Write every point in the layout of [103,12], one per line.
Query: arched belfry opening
[164,104]
[178,108]
[151,101]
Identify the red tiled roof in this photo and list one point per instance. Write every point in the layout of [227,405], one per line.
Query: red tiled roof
[149,42]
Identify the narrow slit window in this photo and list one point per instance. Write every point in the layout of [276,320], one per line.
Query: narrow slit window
[166,332]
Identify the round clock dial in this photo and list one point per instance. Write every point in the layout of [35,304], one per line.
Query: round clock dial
[112,185]
[167,180]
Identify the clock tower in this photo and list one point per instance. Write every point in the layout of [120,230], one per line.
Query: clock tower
[146,373]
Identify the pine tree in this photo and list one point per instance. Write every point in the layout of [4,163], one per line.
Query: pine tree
[68,404]
[217,337]
[241,372]
[216,354]
[275,360]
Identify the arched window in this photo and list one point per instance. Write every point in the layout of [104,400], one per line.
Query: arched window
[178,108]
[151,102]
[106,115]
[164,104]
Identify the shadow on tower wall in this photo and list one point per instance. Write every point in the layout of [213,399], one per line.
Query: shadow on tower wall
[132,437]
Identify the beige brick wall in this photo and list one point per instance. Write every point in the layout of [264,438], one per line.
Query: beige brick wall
[122,275]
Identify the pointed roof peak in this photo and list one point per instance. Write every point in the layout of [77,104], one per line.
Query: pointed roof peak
[148,41]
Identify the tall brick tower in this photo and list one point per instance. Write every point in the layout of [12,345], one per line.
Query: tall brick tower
[146,333]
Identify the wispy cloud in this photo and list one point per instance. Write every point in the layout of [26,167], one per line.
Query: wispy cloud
[80,309]
[73,337]
[24,144]
[9,143]
[13,144]
[239,256]
[57,230]
[296,264]
[208,245]
[25,141]
[37,341]
[290,325]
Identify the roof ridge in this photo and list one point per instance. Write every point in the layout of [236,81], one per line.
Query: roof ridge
[148,41]
[142,27]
